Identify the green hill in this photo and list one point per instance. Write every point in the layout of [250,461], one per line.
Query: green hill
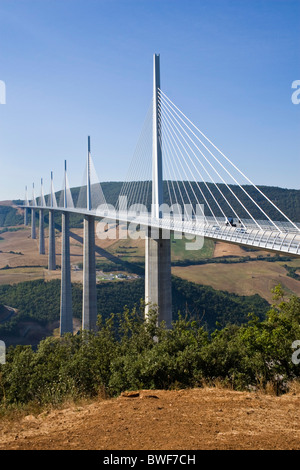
[9,216]
[39,301]
[288,200]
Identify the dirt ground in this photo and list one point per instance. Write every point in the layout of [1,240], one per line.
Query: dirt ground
[197,419]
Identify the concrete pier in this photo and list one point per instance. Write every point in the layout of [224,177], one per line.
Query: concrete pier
[33,224]
[51,249]
[41,233]
[66,314]
[89,301]
[158,288]
[25,217]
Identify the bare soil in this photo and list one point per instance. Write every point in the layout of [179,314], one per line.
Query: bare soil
[196,419]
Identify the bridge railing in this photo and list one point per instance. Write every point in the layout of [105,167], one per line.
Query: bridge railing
[286,240]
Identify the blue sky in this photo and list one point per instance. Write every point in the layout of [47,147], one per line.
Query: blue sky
[74,68]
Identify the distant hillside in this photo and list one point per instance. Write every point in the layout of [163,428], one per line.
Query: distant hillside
[38,302]
[10,216]
[288,200]
[6,313]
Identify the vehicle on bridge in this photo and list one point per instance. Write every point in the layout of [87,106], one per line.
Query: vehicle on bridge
[230,221]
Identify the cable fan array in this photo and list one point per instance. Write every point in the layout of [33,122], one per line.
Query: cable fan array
[97,196]
[136,190]
[65,197]
[195,172]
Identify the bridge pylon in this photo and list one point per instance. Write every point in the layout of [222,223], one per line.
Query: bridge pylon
[158,290]
[41,224]
[66,314]
[89,301]
[33,221]
[51,247]
[26,210]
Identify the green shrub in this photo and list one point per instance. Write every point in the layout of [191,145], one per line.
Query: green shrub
[129,353]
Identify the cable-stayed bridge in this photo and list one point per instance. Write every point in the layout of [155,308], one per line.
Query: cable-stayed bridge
[178,181]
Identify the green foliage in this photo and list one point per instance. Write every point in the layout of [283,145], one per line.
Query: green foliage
[39,301]
[129,353]
[213,307]
[230,259]
[291,272]
[9,216]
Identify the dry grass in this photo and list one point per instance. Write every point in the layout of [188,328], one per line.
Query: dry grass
[243,279]
[294,387]
[230,249]
[253,277]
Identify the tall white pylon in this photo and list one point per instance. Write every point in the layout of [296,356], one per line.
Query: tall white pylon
[52,198]
[33,230]
[157,182]
[65,186]
[26,210]
[41,222]
[88,177]
[89,300]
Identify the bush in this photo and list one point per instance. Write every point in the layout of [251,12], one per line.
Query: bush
[129,353]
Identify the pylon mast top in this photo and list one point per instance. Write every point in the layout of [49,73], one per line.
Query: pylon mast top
[157,179]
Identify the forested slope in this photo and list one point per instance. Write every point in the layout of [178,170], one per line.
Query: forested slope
[288,200]
[39,301]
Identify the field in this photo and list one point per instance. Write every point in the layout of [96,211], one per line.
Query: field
[253,277]
[182,249]
[19,254]
[20,261]
[203,419]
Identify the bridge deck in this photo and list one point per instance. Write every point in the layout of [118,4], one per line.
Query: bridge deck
[281,237]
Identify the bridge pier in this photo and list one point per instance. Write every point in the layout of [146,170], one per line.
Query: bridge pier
[51,249]
[25,217]
[158,288]
[66,315]
[89,301]
[41,233]
[33,228]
